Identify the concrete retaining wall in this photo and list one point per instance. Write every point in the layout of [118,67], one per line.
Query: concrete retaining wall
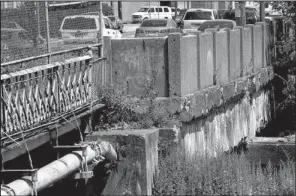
[185,64]
[135,61]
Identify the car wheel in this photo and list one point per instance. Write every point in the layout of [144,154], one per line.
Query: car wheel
[145,18]
[165,17]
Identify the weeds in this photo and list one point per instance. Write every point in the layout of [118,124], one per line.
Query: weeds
[226,174]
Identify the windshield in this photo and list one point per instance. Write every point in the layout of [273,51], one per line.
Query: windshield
[143,9]
[79,23]
[198,15]
[154,23]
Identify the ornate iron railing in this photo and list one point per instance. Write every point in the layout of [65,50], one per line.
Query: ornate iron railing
[38,95]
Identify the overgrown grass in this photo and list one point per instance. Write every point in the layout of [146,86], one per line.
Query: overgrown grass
[227,174]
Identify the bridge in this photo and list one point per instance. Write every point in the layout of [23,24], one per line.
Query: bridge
[219,79]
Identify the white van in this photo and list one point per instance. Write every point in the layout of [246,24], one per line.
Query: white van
[193,18]
[85,28]
[154,12]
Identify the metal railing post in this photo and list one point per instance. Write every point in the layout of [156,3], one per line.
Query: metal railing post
[47,32]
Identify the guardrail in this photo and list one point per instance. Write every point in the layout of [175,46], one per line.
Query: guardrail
[34,96]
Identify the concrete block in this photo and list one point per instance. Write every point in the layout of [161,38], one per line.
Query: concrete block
[189,70]
[264,42]
[206,60]
[251,26]
[108,54]
[138,160]
[266,149]
[136,61]
[183,72]
[258,45]
[228,91]
[213,97]
[234,54]
[174,60]
[221,61]
[248,63]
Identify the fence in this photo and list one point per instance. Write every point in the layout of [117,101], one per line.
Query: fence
[33,29]
[39,96]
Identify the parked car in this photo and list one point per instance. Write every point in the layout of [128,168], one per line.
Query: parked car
[85,28]
[157,28]
[152,12]
[251,15]
[226,14]
[117,23]
[217,24]
[179,17]
[193,18]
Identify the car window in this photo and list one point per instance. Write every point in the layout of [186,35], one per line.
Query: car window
[151,10]
[79,23]
[143,9]
[160,9]
[166,9]
[154,23]
[198,15]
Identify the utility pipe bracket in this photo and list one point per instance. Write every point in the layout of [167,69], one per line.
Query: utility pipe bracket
[22,172]
[84,175]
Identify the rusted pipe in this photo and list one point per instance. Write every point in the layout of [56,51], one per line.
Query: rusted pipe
[59,169]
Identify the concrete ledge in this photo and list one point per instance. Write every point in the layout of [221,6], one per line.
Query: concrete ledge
[138,160]
[273,149]
[201,102]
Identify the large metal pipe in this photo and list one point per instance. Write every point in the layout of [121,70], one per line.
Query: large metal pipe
[59,169]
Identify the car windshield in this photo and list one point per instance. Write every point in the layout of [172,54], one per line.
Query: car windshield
[79,23]
[143,9]
[198,15]
[154,23]
[216,25]
[182,12]
[229,15]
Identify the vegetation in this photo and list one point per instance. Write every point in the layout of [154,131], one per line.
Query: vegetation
[226,174]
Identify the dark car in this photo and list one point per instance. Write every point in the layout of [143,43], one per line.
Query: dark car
[251,15]
[226,14]
[157,28]
[118,24]
[217,24]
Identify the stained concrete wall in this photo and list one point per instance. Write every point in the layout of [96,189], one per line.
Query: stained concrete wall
[134,61]
[258,63]
[185,64]
[248,63]
[221,57]
[137,162]
[183,69]
[206,60]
